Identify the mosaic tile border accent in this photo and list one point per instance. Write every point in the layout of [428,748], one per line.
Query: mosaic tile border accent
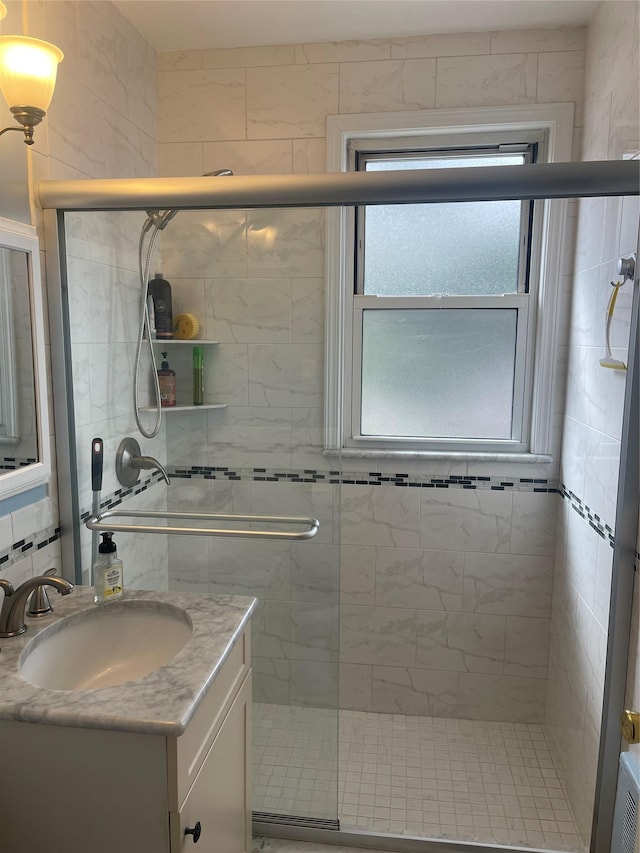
[422,481]
[12,463]
[600,526]
[25,547]
[116,498]
[45,537]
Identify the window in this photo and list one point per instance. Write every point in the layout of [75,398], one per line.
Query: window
[439,306]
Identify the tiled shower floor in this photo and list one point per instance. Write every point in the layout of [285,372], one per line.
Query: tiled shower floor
[423,776]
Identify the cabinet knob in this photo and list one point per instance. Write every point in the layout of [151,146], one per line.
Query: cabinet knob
[196,831]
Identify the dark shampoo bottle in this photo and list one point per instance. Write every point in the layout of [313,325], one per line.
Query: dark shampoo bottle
[160,292]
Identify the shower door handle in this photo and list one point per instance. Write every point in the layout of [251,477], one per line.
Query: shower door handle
[630,726]
[100,521]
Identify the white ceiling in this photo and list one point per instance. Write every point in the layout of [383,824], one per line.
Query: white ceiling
[200,24]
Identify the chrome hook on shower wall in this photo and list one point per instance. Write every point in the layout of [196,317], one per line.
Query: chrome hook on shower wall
[627,267]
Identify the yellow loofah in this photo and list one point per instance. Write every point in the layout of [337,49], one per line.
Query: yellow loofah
[186,327]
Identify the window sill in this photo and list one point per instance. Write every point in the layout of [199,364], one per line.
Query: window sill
[458,456]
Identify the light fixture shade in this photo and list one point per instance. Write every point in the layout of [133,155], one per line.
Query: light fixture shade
[3,10]
[28,70]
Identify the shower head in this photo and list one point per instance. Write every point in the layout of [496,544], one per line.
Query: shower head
[160,219]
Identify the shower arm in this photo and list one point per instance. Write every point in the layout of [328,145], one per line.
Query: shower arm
[98,522]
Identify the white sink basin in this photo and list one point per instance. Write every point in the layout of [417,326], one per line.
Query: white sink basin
[107,645]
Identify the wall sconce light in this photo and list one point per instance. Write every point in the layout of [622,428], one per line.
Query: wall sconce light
[28,70]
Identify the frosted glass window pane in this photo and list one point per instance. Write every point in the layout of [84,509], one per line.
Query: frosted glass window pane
[438,374]
[469,248]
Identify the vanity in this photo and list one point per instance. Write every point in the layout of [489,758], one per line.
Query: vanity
[154,764]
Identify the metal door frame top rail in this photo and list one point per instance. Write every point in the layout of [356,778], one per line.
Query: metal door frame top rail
[334,189]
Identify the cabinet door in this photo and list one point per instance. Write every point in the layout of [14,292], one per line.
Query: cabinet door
[219,799]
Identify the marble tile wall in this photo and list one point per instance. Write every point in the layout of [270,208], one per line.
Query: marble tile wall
[445,601]
[295,629]
[104,299]
[256,279]
[101,123]
[606,230]
[18,526]
[430,623]
[442,594]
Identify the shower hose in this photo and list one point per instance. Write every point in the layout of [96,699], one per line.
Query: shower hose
[144,267]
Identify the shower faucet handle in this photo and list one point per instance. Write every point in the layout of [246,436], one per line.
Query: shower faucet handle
[130,461]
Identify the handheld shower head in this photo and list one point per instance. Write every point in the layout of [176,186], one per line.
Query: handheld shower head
[160,219]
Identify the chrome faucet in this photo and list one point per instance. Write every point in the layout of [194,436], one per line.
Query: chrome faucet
[130,461]
[14,604]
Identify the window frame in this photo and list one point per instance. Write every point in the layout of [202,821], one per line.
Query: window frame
[527,143]
[360,151]
[347,134]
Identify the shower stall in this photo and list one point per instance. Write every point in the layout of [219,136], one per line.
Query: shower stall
[401,655]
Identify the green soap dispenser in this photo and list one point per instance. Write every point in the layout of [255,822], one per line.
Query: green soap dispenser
[108,580]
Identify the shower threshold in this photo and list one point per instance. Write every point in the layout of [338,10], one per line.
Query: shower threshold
[305,840]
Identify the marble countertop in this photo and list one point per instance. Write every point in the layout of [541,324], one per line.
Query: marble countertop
[162,702]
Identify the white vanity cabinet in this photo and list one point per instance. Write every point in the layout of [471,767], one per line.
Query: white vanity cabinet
[209,765]
[94,790]
[215,811]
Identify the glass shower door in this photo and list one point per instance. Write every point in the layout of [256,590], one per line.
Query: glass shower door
[294,629]
[254,280]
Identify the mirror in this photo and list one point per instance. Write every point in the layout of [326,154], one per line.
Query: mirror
[24,424]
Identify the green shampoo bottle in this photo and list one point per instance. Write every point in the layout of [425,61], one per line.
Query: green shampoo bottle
[198,377]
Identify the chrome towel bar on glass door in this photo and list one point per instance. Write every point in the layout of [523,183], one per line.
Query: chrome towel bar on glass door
[99,522]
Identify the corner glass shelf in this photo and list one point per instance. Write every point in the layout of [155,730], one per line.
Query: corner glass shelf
[183,407]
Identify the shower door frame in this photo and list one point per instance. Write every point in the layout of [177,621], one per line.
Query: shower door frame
[622,587]
[554,180]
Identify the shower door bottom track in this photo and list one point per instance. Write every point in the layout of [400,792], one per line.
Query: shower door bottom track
[310,830]
[260,818]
